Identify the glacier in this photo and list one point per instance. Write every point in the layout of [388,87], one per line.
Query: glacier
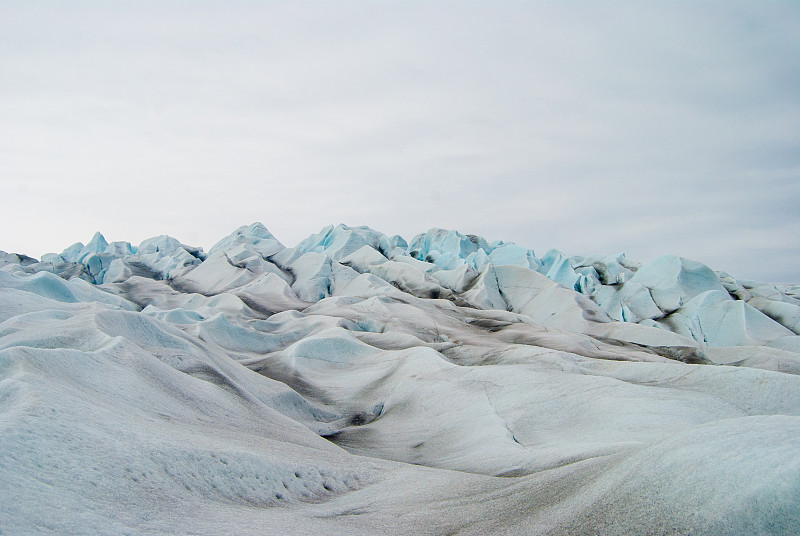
[360,383]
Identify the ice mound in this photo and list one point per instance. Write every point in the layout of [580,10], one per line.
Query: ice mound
[359,384]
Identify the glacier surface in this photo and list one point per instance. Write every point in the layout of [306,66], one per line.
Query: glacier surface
[361,384]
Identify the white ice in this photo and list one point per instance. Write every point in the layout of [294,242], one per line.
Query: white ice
[361,384]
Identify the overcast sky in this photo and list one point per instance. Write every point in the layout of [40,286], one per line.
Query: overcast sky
[637,127]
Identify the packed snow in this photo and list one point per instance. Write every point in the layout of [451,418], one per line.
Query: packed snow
[364,384]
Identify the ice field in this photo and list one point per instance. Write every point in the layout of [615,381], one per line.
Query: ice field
[364,384]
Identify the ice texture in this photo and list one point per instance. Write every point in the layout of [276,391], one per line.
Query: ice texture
[358,383]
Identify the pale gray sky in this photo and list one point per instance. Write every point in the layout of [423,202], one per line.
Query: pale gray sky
[590,127]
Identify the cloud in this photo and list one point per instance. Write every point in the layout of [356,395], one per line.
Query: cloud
[590,128]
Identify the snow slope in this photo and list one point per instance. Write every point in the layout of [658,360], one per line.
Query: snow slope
[362,384]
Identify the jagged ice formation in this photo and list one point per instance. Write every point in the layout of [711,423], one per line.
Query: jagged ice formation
[358,383]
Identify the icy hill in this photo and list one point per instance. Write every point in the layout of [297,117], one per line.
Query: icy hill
[359,383]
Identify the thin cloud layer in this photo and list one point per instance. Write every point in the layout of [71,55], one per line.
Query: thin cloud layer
[592,129]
